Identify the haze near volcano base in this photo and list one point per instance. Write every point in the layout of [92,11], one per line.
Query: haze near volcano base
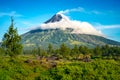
[60,21]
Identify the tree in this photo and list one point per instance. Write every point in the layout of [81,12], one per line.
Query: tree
[105,50]
[11,41]
[97,51]
[39,51]
[84,50]
[75,50]
[50,49]
[64,50]
[2,52]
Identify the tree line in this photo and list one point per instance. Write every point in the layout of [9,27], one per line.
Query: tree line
[105,51]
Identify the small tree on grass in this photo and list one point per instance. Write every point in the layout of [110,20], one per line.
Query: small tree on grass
[50,49]
[64,50]
[11,41]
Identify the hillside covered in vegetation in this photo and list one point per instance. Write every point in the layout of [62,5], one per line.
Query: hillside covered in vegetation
[56,37]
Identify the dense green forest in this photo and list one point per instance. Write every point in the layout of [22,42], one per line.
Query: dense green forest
[64,63]
[77,52]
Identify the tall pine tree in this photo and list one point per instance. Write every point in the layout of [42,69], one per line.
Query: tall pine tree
[11,41]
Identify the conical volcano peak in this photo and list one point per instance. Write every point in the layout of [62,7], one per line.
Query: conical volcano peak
[61,21]
[55,18]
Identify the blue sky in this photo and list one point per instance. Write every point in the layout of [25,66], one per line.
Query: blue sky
[104,15]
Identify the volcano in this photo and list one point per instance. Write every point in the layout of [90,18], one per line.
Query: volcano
[60,29]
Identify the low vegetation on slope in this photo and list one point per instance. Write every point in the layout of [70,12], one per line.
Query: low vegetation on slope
[22,69]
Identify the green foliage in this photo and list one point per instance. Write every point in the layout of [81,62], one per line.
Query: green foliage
[97,51]
[106,51]
[98,69]
[2,52]
[50,49]
[11,41]
[84,50]
[75,50]
[104,64]
[64,50]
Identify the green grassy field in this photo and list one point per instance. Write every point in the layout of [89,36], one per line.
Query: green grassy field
[19,69]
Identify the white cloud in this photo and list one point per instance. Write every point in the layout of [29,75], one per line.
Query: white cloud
[78,26]
[12,13]
[102,27]
[79,9]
